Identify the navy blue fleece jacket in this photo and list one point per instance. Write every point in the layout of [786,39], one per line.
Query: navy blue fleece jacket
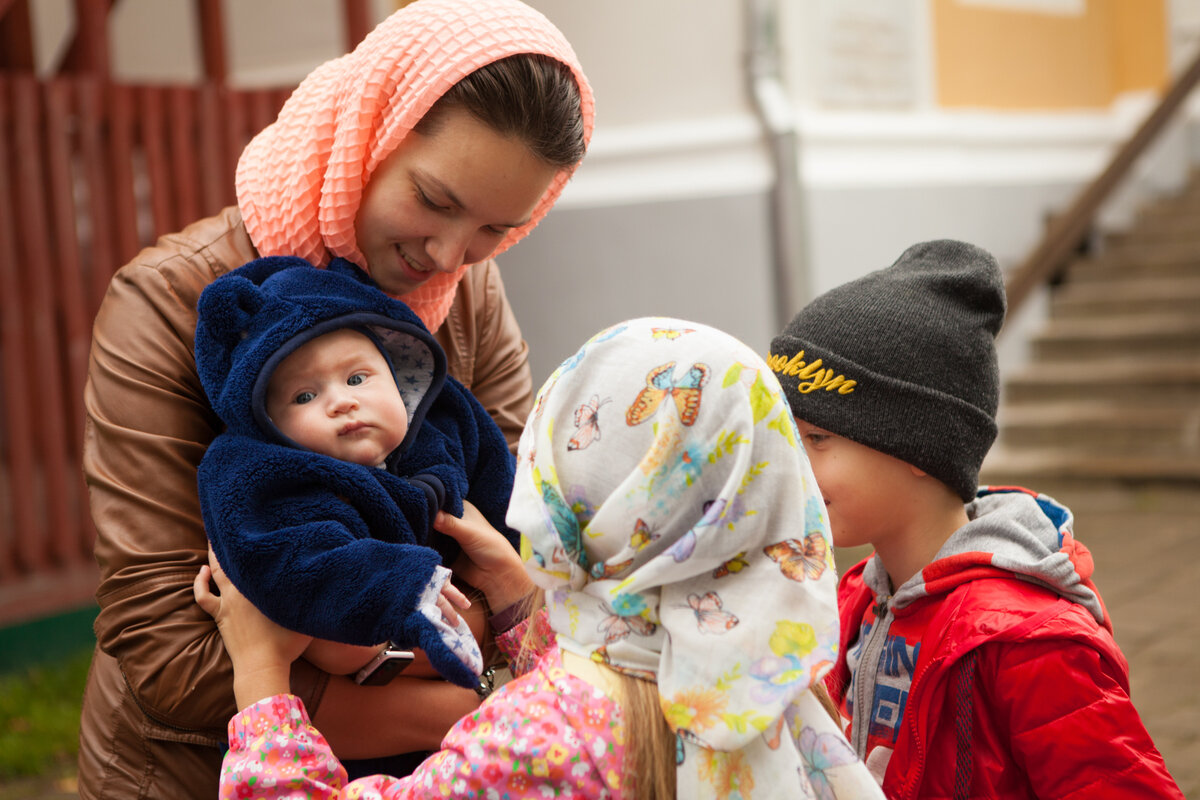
[322,546]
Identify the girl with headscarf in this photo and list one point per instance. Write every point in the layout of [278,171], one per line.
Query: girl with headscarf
[439,142]
[690,613]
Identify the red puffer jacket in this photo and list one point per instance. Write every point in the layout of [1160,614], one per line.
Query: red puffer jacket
[1017,692]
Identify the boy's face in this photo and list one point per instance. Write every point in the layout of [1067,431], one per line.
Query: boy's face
[335,395]
[866,492]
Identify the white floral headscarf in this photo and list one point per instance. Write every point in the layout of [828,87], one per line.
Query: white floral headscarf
[677,528]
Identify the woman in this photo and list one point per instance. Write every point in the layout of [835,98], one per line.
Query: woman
[439,142]
[678,532]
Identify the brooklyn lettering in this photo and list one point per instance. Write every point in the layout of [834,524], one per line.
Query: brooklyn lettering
[811,376]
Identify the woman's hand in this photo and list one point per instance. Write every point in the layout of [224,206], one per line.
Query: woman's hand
[488,562]
[262,651]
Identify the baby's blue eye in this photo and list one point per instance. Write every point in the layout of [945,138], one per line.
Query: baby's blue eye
[354,380]
[305,397]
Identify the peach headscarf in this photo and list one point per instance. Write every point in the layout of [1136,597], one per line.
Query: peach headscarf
[300,180]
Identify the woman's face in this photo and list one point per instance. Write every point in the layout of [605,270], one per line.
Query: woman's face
[446,199]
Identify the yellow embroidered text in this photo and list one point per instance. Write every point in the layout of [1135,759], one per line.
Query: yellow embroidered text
[812,376]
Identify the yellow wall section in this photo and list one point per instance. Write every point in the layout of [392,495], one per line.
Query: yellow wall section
[993,57]
[1141,58]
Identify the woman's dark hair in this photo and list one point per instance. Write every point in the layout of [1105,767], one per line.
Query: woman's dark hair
[528,96]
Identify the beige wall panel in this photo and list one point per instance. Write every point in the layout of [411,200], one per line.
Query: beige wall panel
[1142,38]
[994,57]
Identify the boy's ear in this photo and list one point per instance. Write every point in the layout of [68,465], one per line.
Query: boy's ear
[227,306]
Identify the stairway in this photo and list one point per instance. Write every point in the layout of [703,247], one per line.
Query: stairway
[1106,418]
[1109,405]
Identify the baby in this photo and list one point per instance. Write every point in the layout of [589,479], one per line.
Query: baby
[345,437]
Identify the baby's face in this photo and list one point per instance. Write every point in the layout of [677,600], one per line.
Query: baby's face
[336,395]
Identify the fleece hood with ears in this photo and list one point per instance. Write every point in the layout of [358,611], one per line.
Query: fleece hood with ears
[331,548]
[251,319]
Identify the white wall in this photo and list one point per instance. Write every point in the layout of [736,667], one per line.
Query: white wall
[658,61]
[880,167]
[586,268]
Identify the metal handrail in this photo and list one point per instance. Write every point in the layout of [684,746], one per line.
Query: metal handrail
[1067,231]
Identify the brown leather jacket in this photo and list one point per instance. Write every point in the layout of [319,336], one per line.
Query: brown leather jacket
[160,690]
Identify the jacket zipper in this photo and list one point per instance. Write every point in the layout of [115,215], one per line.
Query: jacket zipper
[868,665]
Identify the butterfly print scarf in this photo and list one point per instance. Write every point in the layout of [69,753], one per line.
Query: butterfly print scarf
[676,526]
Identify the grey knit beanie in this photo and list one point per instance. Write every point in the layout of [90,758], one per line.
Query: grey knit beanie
[903,360]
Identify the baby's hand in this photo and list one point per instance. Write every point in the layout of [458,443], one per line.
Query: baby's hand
[450,602]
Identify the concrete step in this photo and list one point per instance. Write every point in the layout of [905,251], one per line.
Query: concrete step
[1138,259]
[1102,428]
[1099,268]
[1127,296]
[1165,223]
[1042,466]
[1176,226]
[1188,196]
[1183,236]
[1147,381]
[1171,208]
[1126,335]
[1165,229]
[1184,248]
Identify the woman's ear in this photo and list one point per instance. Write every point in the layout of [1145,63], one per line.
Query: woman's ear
[226,308]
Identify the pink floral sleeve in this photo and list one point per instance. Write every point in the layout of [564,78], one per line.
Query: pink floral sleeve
[547,733]
[522,659]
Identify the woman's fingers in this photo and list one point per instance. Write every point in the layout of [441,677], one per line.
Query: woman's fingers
[488,561]
[219,576]
[463,530]
[482,543]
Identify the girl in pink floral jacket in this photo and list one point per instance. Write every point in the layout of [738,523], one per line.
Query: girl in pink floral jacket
[682,546]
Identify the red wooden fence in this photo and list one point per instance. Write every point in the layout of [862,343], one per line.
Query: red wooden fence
[90,172]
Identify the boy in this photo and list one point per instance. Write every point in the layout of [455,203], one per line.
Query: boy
[977,659]
[345,437]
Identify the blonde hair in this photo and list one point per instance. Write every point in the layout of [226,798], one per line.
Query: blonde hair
[649,767]
[649,741]
[822,695]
